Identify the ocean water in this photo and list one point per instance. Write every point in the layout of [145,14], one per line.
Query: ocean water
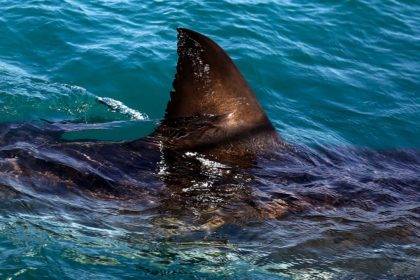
[340,79]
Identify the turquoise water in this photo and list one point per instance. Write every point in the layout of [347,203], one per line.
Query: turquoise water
[328,74]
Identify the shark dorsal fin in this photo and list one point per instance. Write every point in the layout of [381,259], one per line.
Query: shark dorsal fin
[208,82]
[210,88]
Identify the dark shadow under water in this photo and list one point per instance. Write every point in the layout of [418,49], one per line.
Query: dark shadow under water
[323,213]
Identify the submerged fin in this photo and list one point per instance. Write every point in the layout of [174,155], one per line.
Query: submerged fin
[211,104]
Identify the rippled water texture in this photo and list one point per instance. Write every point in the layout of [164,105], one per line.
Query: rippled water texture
[339,80]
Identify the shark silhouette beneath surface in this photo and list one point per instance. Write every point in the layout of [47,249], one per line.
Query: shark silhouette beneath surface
[215,159]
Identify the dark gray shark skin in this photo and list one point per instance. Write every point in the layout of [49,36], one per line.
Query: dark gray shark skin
[215,158]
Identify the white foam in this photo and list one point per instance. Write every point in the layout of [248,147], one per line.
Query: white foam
[122,108]
[206,162]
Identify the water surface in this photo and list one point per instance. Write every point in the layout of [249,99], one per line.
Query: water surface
[338,80]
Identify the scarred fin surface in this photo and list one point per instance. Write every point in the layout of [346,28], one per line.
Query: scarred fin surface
[211,107]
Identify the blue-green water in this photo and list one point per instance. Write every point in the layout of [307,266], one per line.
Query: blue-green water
[328,74]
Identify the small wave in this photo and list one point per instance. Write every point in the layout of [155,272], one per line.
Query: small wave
[120,107]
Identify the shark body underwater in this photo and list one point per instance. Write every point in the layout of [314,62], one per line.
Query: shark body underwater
[215,159]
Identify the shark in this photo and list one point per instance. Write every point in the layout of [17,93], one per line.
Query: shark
[206,162]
